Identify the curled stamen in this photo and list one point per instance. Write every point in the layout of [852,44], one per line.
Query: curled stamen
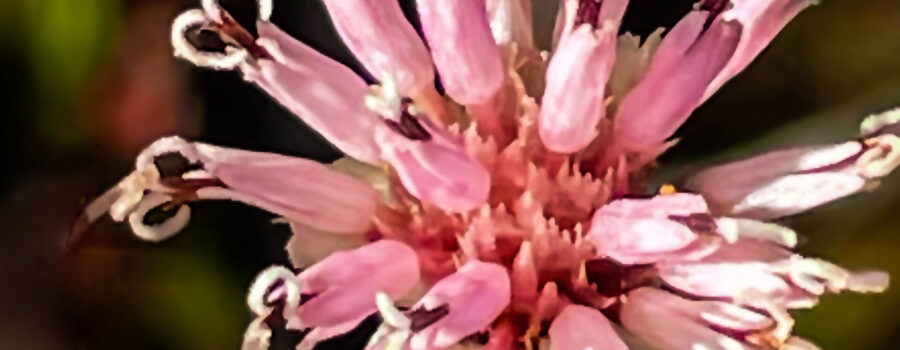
[784,323]
[399,326]
[262,294]
[212,9]
[882,158]
[880,123]
[194,18]
[395,330]
[265,8]
[167,223]
[257,335]
[390,313]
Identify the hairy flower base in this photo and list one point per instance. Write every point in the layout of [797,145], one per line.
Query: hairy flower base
[484,219]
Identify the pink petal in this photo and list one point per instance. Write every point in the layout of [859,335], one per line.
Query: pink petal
[301,190]
[674,85]
[637,231]
[783,182]
[573,101]
[579,327]
[344,284]
[437,171]
[463,48]
[724,280]
[762,21]
[323,93]
[667,321]
[384,41]
[476,294]
[511,23]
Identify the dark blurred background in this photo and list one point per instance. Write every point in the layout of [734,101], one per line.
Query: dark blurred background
[88,83]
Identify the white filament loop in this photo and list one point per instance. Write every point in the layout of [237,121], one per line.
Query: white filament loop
[169,144]
[212,9]
[265,8]
[875,123]
[162,231]
[257,335]
[184,49]
[259,297]
[784,323]
[882,158]
[394,332]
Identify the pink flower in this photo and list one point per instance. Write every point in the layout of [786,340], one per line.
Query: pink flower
[791,181]
[664,228]
[578,327]
[574,100]
[340,290]
[455,307]
[464,52]
[687,61]
[457,219]
[171,172]
[667,321]
[385,43]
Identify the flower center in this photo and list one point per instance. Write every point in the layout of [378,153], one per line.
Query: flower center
[588,12]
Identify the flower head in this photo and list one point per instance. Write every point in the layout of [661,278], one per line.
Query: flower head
[510,214]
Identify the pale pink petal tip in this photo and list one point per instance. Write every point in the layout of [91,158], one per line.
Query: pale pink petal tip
[345,283]
[579,327]
[573,102]
[762,21]
[301,190]
[463,48]
[511,23]
[323,93]
[687,61]
[379,35]
[791,181]
[639,231]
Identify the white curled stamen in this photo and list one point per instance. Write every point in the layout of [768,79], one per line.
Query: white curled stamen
[212,9]
[394,332]
[160,232]
[784,323]
[170,144]
[257,335]
[390,313]
[265,9]
[189,19]
[261,295]
[129,193]
[882,158]
[875,123]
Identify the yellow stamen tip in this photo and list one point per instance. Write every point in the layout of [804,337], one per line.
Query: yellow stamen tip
[667,189]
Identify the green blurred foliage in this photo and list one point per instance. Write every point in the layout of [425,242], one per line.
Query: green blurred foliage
[66,43]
